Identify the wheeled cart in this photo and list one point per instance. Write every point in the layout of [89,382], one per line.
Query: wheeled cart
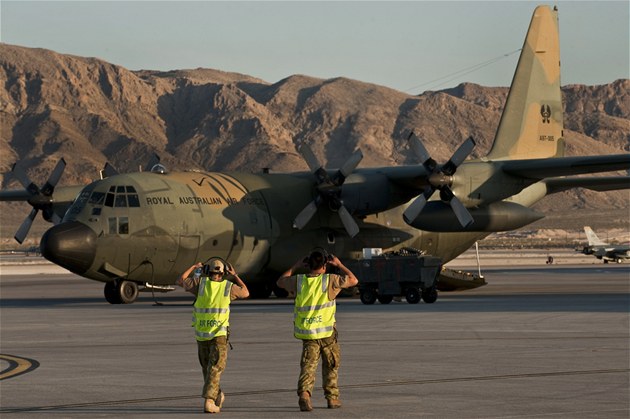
[405,273]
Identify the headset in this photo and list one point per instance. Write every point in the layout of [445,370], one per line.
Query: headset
[206,271]
[317,258]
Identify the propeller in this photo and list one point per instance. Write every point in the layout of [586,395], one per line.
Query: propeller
[39,199]
[329,190]
[440,178]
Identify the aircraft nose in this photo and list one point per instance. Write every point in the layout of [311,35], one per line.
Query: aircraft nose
[71,245]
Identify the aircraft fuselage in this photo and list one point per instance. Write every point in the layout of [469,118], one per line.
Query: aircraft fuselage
[149,228]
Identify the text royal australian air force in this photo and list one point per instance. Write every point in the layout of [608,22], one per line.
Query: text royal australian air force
[211,199]
[202,200]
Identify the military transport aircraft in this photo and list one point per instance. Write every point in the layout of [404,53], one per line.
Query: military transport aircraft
[604,251]
[143,229]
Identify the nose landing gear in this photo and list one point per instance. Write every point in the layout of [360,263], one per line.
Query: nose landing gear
[121,291]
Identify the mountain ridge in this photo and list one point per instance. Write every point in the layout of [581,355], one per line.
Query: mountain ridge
[91,112]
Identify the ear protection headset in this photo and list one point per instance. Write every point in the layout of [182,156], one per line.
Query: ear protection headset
[207,270]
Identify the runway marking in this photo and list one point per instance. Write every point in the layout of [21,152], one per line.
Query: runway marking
[17,366]
[348,386]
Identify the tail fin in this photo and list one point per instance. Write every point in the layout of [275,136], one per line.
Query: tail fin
[531,124]
[593,240]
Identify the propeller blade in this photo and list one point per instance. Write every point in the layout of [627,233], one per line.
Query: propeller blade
[54,177]
[413,211]
[310,158]
[328,189]
[20,235]
[22,177]
[418,148]
[462,214]
[306,214]
[459,156]
[348,222]
[351,164]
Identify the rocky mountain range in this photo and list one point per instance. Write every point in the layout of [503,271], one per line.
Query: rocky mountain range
[91,112]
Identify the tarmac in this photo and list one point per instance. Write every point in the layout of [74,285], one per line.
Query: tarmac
[539,341]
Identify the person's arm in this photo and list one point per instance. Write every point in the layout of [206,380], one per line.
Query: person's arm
[241,291]
[351,280]
[286,279]
[181,281]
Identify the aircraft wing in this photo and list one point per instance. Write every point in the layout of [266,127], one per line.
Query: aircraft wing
[565,166]
[599,184]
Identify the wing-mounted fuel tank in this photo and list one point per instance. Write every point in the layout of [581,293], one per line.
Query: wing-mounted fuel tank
[499,216]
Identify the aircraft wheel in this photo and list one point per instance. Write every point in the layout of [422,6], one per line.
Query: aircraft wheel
[367,296]
[385,299]
[111,294]
[618,260]
[412,295]
[128,291]
[429,295]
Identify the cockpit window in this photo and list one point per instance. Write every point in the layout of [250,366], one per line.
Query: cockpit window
[121,201]
[119,197]
[118,225]
[79,202]
[97,198]
[133,200]
[109,199]
[123,225]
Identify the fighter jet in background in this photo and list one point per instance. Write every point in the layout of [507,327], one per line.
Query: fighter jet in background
[604,251]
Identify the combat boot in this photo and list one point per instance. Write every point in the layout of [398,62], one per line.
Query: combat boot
[305,402]
[334,403]
[220,399]
[210,407]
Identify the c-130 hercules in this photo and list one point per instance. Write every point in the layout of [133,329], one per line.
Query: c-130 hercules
[144,229]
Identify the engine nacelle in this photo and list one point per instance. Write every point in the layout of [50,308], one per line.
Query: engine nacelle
[499,216]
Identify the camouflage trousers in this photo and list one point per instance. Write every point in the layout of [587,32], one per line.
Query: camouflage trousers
[213,359]
[330,352]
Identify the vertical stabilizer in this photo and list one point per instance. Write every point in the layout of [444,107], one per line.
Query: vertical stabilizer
[593,240]
[531,124]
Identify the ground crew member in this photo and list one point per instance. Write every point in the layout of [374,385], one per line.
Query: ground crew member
[211,315]
[314,322]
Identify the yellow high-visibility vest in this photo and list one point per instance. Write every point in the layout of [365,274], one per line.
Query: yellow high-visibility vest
[211,311]
[314,312]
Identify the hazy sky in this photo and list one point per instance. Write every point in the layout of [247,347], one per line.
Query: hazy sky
[410,46]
